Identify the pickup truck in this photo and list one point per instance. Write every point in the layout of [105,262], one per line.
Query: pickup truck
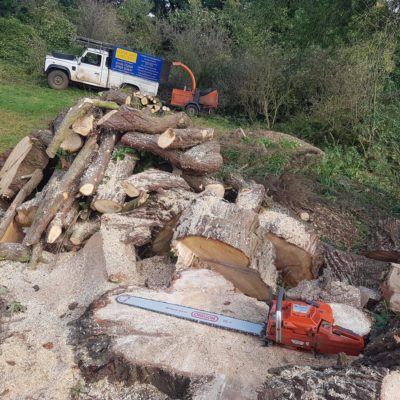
[113,67]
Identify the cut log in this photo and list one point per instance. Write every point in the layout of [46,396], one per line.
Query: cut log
[298,249]
[26,211]
[94,174]
[144,100]
[42,136]
[105,117]
[250,194]
[64,129]
[222,233]
[13,234]
[110,195]
[354,269]
[202,159]
[184,138]
[26,190]
[23,161]
[129,119]
[152,180]
[84,125]
[14,252]
[62,220]
[205,183]
[117,96]
[83,231]
[304,382]
[384,242]
[217,231]
[54,200]
[72,143]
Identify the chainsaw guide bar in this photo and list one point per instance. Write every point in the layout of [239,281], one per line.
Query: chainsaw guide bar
[193,314]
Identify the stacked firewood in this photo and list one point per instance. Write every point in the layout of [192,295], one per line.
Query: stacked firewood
[151,103]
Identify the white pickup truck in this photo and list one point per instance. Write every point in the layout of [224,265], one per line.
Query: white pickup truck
[113,67]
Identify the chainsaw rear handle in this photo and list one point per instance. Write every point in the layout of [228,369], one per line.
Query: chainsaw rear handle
[278,315]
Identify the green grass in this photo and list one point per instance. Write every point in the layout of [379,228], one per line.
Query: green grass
[26,105]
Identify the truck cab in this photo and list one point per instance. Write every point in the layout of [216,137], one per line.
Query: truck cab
[111,68]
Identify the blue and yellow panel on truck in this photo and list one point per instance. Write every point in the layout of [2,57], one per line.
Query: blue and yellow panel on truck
[138,64]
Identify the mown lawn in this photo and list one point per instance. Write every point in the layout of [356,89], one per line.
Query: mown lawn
[27,105]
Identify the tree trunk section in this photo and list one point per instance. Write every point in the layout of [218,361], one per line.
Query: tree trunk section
[23,161]
[14,252]
[110,195]
[202,159]
[354,269]
[304,382]
[129,119]
[26,190]
[205,183]
[64,129]
[41,137]
[384,242]
[54,200]
[83,231]
[26,212]
[174,139]
[152,180]
[117,96]
[62,220]
[72,143]
[298,239]
[84,125]
[94,174]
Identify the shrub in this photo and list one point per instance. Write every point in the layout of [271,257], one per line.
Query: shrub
[21,45]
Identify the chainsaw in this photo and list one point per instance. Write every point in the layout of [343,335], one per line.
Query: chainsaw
[294,324]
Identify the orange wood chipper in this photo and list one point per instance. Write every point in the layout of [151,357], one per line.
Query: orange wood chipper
[195,100]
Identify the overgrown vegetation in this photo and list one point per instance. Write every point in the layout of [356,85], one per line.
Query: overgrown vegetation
[326,71]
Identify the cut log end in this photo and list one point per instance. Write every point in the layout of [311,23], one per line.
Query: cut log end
[54,234]
[87,189]
[166,138]
[107,206]
[215,251]
[129,189]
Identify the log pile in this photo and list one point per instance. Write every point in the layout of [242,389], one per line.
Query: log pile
[156,173]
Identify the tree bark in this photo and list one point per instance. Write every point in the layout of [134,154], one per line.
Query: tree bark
[205,183]
[110,195]
[64,129]
[23,160]
[26,190]
[44,137]
[14,252]
[129,119]
[202,159]
[117,96]
[384,242]
[54,200]
[152,180]
[63,219]
[83,231]
[354,269]
[184,138]
[26,211]
[304,382]
[94,174]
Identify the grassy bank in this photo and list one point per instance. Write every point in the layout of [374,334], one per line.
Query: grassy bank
[26,105]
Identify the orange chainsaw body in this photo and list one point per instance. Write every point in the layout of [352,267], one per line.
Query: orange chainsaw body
[305,326]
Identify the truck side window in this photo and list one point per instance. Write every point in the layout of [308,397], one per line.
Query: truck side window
[92,59]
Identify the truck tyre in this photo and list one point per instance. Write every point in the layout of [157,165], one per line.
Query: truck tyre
[58,79]
[192,109]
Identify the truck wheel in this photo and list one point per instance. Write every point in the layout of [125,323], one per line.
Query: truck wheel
[192,109]
[58,79]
